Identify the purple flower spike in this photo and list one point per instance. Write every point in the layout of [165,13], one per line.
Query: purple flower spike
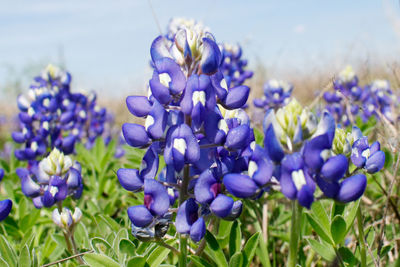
[186,216]
[260,167]
[305,197]
[1,174]
[207,187]
[156,197]
[172,71]
[375,162]
[295,180]
[330,189]
[140,216]
[139,106]
[222,206]
[240,185]
[135,134]
[182,147]
[272,145]
[236,97]
[237,137]
[28,186]
[364,156]
[130,179]
[211,57]
[5,208]
[334,168]
[159,48]
[352,188]
[314,151]
[198,230]
[156,121]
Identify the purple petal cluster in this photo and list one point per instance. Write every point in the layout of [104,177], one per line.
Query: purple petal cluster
[234,65]
[51,180]
[276,94]
[194,121]
[349,99]
[52,116]
[301,155]
[6,204]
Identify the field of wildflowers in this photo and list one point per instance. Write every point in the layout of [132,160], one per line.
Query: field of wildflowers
[206,176]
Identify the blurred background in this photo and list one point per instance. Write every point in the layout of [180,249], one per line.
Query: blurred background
[105,44]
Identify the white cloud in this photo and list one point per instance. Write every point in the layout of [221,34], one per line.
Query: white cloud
[299,29]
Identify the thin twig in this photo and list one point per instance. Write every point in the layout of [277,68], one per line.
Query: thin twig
[380,239]
[326,88]
[68,258]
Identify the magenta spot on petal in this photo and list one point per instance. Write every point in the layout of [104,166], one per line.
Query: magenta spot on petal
[147,201]
[215,189]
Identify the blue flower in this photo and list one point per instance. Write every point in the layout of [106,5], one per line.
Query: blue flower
[369,157]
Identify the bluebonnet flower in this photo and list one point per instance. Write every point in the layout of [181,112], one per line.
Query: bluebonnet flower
[276,94]
[301,155]
[349,99]
[6,204]
[51,116]
[65,219]
[195,121]
[369,157]
[51,180]
[233,65]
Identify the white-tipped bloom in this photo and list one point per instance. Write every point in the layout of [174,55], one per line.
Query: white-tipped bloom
[55,164]
[65,219]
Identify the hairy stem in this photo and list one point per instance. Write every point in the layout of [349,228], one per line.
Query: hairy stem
[294,233]
[361,238]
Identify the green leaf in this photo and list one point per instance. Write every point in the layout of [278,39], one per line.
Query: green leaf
[110,223]
[214,249]
[81,236]
[159,254]
[319,213]
[319,229]
[200,262]
[350,214]
[99,260]
[126,246]
[322,249]
[6,252]
[338,229]
[250,249]
[137,261]
[385,250]
[24,257]
[235,238]
[236,260]
[101,246]
[224,229]
[347,256]
[3,262]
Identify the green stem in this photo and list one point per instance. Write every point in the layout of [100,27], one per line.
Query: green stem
[183,251]
[294,233]
[361,238]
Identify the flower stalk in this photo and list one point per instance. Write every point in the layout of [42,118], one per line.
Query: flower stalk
[294,233]
[361,238]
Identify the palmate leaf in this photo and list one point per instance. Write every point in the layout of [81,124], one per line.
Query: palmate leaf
[320,229]
[7,252]
[322,249]
[250,249]
[214,250]
[338,229]
[159,254]
[24,257]
[235,239]
[99,260]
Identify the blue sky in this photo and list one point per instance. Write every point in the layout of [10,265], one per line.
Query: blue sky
[106,43]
